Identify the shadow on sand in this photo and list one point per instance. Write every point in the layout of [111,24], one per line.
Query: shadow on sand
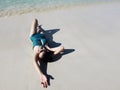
[48,58]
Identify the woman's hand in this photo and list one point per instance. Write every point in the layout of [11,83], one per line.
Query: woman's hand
[44,81]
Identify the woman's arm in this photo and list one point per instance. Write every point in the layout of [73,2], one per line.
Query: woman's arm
[44,82]
[34,27]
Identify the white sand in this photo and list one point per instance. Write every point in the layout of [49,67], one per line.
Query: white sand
[93,31]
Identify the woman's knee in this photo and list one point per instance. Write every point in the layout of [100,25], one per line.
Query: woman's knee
[62,48]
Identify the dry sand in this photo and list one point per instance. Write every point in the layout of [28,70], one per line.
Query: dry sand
[93,32]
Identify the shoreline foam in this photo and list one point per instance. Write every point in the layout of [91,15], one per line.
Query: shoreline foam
[20,11]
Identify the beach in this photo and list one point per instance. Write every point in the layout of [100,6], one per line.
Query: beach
[90,35]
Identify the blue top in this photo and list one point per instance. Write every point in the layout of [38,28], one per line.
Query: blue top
[38,40]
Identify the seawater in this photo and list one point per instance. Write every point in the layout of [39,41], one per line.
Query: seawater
[11,7]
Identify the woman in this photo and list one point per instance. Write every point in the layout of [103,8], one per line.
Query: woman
[40,46]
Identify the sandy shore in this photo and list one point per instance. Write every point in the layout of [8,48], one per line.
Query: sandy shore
[91,36]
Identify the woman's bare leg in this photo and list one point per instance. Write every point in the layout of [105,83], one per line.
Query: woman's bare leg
[56,50]
[34,27]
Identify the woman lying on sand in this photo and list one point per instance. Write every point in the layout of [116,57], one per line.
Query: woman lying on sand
[40,46]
